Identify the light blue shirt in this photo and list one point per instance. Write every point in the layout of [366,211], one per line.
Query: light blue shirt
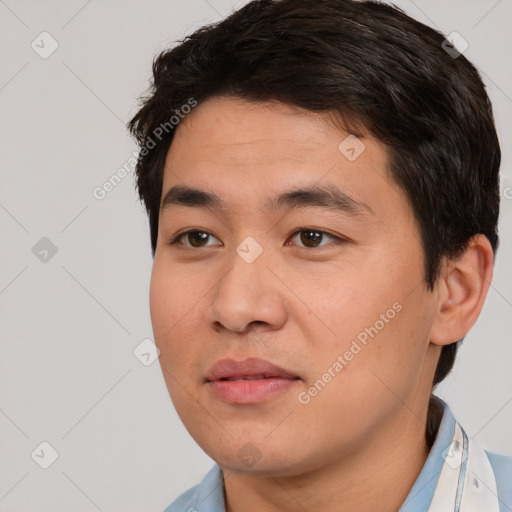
[442,479]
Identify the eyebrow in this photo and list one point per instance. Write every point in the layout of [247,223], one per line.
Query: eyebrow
[327,196]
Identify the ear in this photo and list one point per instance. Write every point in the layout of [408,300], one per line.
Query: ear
[461,291]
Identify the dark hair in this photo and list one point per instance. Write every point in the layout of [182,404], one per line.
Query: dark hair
[379,71]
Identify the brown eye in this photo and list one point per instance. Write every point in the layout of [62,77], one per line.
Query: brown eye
[197,238]
[312,238]
[194,239]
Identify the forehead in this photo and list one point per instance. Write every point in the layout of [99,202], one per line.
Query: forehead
[243,149]
[240,128]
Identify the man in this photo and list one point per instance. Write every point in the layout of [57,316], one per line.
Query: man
[321,179]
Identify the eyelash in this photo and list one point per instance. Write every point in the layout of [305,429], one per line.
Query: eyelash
[337,239]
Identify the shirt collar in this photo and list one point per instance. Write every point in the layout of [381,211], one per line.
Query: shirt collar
[423,489]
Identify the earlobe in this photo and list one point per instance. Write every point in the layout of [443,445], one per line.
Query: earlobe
[461,291]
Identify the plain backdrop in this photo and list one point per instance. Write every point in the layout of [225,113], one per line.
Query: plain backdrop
[75,270]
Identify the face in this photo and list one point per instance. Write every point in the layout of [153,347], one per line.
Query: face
[296,248]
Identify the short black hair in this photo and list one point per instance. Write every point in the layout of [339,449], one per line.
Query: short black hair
[379,71]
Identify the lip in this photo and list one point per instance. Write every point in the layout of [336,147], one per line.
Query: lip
[239,391]
[250,367]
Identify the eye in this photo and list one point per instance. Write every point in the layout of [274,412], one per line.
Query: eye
[193,238]
[312,238]
[307,237]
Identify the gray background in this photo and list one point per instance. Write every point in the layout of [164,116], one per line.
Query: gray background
[69,325]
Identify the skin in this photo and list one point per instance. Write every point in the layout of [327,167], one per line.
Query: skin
[359,444]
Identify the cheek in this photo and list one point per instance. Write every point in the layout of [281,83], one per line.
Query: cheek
[377,374]
[173,295]
[376,325]
[174,308]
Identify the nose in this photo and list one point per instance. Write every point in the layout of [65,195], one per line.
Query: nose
[247,297]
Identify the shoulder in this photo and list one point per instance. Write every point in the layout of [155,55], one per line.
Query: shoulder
[206,496]
[183,503]
[502,468]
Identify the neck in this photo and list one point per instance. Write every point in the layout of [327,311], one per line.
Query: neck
[378,475]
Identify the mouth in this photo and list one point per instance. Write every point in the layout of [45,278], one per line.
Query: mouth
[250,381]
[248,369]
[247,377]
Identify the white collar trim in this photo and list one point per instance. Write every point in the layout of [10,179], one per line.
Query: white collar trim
[467,482]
